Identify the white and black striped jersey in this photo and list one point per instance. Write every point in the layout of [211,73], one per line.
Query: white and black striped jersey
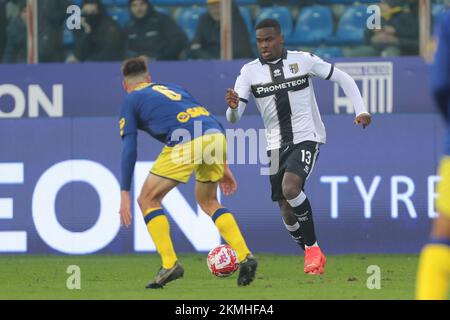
[284,94]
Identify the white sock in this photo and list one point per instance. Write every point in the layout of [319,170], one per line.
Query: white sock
[292,228]
[297,201]
[315,244]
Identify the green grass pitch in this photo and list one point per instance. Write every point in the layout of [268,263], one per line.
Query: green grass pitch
[278,277]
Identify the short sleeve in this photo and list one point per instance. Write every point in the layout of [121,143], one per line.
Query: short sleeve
[128,121]
[243,85]
[320,68]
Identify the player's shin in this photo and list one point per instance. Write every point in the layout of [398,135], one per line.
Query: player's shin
[229,230]
[159,229]
[302,210]
[295,232]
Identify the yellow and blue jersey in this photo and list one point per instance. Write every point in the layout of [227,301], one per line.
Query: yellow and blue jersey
[160,109]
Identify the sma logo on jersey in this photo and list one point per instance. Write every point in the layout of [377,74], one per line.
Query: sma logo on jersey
[192,113]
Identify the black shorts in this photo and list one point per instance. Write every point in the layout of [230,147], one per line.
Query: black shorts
[296,158]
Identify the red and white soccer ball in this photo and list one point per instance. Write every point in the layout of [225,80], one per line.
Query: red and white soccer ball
[222,261]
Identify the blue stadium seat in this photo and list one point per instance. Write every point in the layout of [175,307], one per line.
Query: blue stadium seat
[329,52]
[246,2]
[438,13]
[187,19]
[178,2]
[314,25]
[282,14]
[339,1]
[348,2]
[164,10]
[121,15]
[437,10]
[77,2]
[68,38]
[247,15]
[351,27]
[123,3]
[369,1]
[108,3]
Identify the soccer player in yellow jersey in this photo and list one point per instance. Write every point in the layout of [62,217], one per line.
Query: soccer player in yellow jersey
[168,113]
[433,277]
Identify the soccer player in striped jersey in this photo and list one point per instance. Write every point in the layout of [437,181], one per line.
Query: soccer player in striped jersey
[433,279]
[280,82]
[171,115]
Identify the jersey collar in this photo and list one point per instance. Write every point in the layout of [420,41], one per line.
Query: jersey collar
[142,85]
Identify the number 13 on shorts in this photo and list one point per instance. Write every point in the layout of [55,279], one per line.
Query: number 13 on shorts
[306,156]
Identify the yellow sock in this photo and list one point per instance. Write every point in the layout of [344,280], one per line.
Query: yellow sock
[229,230]
[159,229]
[433,275]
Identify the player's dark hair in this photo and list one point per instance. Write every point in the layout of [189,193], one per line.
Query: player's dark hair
[134,67]
[269,23]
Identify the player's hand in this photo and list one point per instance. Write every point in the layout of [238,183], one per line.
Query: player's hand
[125,209]
[232,98]
[364,119]
[228,184]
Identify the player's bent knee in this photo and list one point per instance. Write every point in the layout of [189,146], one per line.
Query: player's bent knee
[292,185]
[291,190]
[141,200]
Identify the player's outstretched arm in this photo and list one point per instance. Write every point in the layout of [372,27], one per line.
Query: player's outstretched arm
[237,98]
[351,90]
